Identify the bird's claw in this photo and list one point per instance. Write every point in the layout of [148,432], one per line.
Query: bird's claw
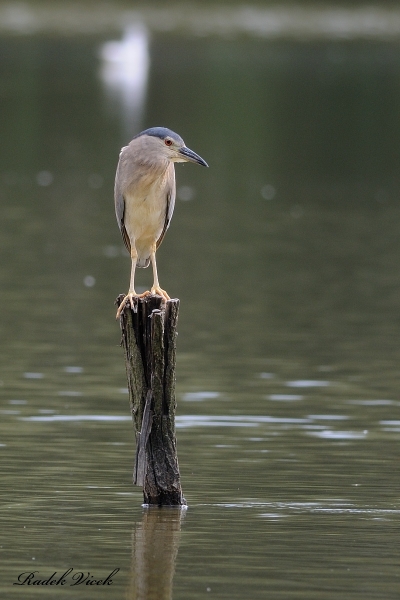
[129,298]
[157,291]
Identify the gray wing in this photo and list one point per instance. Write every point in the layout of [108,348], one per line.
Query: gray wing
[170,191]
[120,207]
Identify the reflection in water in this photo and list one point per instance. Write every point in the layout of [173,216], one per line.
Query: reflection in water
[288,382]
[155,542]
[124,72]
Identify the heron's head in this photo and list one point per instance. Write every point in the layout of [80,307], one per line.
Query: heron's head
[169,145]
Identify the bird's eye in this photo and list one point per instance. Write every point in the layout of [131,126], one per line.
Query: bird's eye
[168,142]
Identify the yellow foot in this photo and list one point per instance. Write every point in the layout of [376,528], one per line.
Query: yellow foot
[160,292]
[129,298]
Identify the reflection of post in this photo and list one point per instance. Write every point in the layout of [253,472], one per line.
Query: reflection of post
[149,340]
[155,542]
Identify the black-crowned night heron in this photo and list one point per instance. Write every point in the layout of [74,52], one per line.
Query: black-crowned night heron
[145,197]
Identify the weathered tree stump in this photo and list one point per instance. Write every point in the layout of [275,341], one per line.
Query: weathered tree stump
[149,340]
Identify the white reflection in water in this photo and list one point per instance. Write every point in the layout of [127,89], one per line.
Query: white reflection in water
[225,446]
[267,375]
[186,421]
[185,193]
[124,73]
[73,369]
[53,418]
[373,402]
[307,383]
[284,397]
[334,507]
[89,281]
[339,435]
[33,375]
[198,396]
[111,251]
[391,429]
[329,417]
[44,178]
[268,192]
[232,421]
[182,420]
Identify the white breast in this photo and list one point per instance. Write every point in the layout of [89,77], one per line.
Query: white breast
[144,220]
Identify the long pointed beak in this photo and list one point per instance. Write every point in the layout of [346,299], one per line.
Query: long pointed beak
[192,156]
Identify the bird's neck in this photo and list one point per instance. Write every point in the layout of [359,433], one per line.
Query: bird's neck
[154,169]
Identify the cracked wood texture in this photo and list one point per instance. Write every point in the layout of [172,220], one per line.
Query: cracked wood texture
[149,341]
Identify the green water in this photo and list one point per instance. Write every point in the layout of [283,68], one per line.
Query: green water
[285,255]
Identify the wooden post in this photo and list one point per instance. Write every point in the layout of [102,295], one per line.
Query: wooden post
[149,340]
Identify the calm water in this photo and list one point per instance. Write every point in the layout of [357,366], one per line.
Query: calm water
[285,255]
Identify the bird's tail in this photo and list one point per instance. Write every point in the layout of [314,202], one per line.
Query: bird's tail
[143,262]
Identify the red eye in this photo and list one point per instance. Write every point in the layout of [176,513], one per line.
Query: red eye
[168,142]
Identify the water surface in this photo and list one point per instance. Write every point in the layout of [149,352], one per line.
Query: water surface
[285,256]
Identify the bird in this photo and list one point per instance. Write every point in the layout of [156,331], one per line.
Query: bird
[144,194]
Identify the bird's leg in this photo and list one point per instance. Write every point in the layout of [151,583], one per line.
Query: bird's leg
[131,294]
[155,289]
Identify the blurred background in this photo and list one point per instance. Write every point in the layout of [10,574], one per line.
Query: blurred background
[285,254]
